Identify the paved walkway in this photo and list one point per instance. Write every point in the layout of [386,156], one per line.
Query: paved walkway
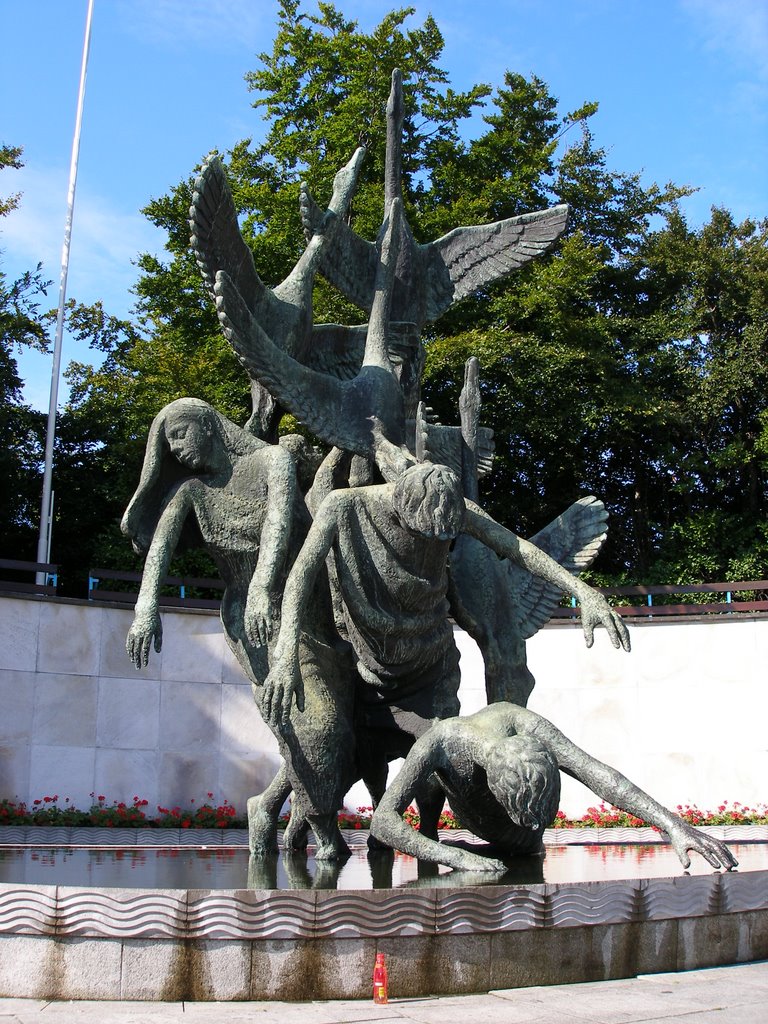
[721,995]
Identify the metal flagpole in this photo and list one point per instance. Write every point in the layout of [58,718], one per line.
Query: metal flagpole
[46,509]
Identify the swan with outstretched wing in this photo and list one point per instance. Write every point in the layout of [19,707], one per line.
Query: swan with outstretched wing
[364,415]
[501,605]
[430,278]
[284,313]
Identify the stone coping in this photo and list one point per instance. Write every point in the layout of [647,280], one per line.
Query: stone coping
[48,835]
[101,943]
[59,911]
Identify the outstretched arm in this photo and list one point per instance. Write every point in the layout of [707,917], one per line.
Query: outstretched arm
[595,610]
[388,826]
[284,678]
[611,785]
[262,607]
[146,626]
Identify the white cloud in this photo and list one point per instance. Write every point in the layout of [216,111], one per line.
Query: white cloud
[737,29]
[105,239]
[215,23]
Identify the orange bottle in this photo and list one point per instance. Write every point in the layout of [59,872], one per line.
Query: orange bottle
[380,980]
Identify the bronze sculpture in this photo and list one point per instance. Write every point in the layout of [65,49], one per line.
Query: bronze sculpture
[362,576]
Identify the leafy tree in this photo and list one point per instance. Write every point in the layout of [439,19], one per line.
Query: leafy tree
[718,469]
[630,363]
[21,428]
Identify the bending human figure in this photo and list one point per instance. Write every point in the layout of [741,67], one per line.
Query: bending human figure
[390,544]
[201,470]
[236,496]
[500,769]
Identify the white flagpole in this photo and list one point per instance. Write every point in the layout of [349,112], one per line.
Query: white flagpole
[46,511]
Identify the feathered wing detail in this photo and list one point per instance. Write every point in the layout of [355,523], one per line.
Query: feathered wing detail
[336,350]
[285,313]
[350,263]
[216,239]
[442,444]
[574,540]
[219,246]
[575,537]
[315,399]
[451,268]
[356,415]
[469,258]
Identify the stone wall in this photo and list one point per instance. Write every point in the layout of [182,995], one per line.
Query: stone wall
[79,719]
[682,715]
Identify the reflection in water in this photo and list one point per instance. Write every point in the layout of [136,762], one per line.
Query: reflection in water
[233,868]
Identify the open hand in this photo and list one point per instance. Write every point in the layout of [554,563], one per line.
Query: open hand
[684,838]
[283,681]
[145,629]
[261,613]
[465,860]
[595,611]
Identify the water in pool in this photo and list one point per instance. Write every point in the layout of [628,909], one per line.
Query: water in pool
[224,868]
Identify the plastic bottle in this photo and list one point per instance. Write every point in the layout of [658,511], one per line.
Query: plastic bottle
[380,980]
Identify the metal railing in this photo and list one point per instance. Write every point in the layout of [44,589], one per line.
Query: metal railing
[182,584]
[19,570]
[727,599]
[638,602]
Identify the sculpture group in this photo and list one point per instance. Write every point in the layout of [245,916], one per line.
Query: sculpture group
[340,588]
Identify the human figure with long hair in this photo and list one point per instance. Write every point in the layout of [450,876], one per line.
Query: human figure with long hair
[209,482]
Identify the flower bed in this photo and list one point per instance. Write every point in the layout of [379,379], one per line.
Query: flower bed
[118,814]
[212,814]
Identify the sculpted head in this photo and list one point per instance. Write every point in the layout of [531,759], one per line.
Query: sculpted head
[189,429]
[524,777]
[429,501]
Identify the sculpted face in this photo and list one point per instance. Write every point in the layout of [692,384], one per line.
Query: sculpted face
[429,502]
[190,439]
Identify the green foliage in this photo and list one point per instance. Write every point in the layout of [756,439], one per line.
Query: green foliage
[630,363]
[21,428]
[119,814]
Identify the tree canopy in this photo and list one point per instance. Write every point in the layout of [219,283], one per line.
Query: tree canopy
[21,428]
[630,363]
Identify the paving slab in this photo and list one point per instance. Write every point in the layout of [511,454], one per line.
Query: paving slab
[721,995]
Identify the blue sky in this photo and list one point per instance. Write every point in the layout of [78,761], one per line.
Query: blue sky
[682,87]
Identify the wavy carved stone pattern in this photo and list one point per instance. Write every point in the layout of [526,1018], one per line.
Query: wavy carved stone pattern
[491,909]
[740,833]
[128,913]
[592,903]
[28,911]
[356,915]
[45,835]
[244,915]
[748,891]
[601,836]
[687,896]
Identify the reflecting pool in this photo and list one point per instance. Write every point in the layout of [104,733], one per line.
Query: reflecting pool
[231,868]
